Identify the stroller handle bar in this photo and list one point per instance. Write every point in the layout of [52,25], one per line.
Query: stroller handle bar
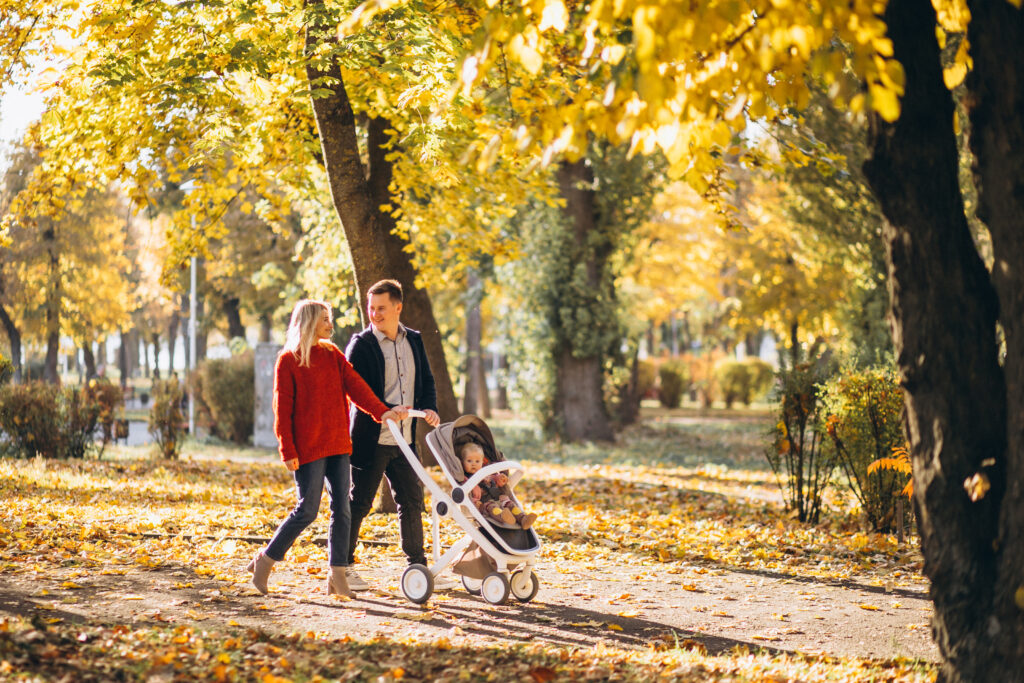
[416,413]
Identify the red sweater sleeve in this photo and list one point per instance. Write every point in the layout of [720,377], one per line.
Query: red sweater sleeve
[358,391]
[284,405]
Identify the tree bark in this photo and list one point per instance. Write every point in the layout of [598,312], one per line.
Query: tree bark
[53,305]
[90,361]
[580,412]
[996,106]
[14,339]
[358,190]
[233,313]
[122,358]
[501,388]
[155,340]
[474,323]
[265,327]
[944,312]
[172,341]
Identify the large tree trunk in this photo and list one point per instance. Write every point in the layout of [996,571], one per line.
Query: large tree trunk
[234,315]
[944,313]
[580,412]
[53,305]
[996,91]
[358,190]
[122,358]
[14,339]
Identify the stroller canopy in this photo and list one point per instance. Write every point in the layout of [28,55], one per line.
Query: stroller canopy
[450,436]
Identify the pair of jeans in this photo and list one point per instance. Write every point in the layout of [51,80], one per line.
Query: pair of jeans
[388,461]
[309,486]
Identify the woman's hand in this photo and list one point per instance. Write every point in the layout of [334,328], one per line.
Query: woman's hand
[398,413]
[292,464]
[432,418]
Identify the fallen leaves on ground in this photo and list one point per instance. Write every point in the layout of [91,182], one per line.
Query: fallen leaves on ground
[92,652]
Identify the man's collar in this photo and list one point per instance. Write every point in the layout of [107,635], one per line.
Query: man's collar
[381,336]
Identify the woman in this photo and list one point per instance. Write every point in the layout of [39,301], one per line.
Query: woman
[313,383]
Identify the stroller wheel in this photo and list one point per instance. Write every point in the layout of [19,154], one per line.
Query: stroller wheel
[495,588]
[471,585]
[417,583]
[524,587]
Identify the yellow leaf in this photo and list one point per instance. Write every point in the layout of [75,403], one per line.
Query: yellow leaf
[1018,597]
[614,627]
[954,75]
[885,102]
[868,607]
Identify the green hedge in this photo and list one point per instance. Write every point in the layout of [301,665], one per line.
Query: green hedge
[225,393]
[673,382]
[743,380]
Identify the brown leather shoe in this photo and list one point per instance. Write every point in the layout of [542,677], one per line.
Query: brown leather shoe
[337,583]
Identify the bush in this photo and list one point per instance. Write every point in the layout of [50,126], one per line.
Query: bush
[6,369]
[30,415]
[225,391]
[801,455]
[865,425]
[166,421]
[109,398]
[743,380]
[673,381]
[80,416]
[703,386]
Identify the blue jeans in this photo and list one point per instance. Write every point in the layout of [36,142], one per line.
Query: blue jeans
[309,486]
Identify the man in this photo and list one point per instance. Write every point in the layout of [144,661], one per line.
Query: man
[392,360]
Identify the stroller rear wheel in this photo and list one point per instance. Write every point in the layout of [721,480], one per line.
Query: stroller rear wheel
[471,585]
[495,588]
[524,587]
[417,583]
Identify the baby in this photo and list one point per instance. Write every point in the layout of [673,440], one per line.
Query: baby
[490,496]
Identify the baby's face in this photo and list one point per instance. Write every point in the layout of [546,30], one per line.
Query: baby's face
[472,460]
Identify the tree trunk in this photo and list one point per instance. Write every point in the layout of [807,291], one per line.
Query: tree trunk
[90,361]
[53,301]
[172,341]
[234,316]
[122,358]
[944,313]
[501,388]
[579,408]
[474,323]
[14,339]
[996,91]
[265,327]
[358,190]
[155,339]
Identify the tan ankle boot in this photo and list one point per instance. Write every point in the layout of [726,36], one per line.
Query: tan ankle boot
[527,520]
[260,568]
[337,583]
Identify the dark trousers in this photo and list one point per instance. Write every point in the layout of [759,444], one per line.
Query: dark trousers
[388,461]
[309,486]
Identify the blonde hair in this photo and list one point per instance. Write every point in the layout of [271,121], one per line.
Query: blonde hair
[301,335]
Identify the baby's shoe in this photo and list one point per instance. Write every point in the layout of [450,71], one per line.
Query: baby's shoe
[507,517]
[526,520]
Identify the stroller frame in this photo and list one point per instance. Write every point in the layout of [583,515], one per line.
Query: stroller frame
[513,572]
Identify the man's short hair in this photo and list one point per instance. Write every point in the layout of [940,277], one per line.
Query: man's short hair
[393,288]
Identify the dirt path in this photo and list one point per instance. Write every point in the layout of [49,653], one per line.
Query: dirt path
[632,604]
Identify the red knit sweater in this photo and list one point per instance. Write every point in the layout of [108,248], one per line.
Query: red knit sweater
[311,403]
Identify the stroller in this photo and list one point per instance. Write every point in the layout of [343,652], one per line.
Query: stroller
[493,559]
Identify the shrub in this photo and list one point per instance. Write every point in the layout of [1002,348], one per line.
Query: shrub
[701,374]
[30,415]
[109,398]
[743,380]
[762,376]
[225,391]
[6,369]
[673,380]
[166,421]
[801,455]
[80,416]
[625,387]
[865,425]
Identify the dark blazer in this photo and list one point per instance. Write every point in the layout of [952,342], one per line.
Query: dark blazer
[364,353]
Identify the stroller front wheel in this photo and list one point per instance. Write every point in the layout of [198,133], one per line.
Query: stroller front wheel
[417,583]
[495,588]
[524,587]
[471,585]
